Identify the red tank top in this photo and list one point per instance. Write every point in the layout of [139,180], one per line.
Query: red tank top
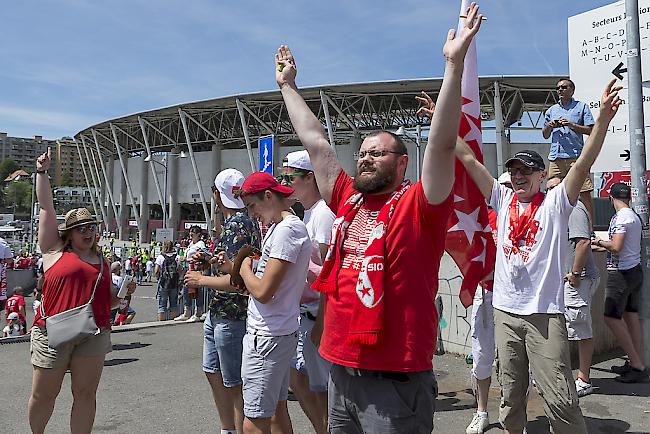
[69,283]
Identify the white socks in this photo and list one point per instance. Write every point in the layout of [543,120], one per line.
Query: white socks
[228,431]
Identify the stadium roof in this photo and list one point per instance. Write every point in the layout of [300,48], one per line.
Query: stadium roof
[353,110]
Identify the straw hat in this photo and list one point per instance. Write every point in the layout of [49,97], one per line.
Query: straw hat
[77,217]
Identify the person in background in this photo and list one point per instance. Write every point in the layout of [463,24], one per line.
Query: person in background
[6,258]
[16,304]
[167,271]
[624,283]
[13,327]
[192,296]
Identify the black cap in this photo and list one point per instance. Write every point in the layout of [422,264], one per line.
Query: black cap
[619,190]
[528,158]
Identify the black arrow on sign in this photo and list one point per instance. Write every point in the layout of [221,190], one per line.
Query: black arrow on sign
[619,70]
[625,155]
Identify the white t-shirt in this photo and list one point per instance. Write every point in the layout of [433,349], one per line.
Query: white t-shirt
[539,286]
[288,241]
[193,248]
[12,331]
[625,221]
[127,264]
[149,265]
[161,258]
[319,220]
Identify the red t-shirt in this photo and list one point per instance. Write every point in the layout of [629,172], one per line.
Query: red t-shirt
[69,283]
[14,303]
[415,242]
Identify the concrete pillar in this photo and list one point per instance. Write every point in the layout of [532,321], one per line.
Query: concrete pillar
[143,199]
[216,168]
[123,218]
[172,190]
[110,215]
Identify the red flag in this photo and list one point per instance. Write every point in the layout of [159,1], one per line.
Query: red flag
[469,238]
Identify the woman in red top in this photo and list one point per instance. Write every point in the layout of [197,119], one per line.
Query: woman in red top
[72,265]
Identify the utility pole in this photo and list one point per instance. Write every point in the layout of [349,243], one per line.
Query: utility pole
[638,158]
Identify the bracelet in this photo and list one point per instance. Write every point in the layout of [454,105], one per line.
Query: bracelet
[41,171]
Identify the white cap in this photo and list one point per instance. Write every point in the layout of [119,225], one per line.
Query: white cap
[299,160]
[13,315]
[504,178]
[227,182]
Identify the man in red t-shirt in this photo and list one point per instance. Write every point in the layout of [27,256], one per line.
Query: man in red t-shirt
[381,270]
[16,303]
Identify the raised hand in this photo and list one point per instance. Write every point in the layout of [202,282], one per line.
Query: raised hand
[456,46]
[285,66]
[610,101]
[427,106]
[192,279]
[43,161]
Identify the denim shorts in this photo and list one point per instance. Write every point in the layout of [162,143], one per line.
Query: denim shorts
[167,296]
[222,348]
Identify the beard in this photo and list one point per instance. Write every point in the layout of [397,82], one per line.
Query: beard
[379,179]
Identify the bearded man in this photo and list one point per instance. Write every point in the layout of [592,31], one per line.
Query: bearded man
[380,273]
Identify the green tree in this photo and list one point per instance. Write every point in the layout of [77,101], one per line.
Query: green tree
[7,167]
[20,194]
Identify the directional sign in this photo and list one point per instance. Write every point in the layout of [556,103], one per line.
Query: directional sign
[265,145]
[625,155]
[598,53]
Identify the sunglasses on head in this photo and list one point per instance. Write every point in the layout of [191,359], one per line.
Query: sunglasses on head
[86,228]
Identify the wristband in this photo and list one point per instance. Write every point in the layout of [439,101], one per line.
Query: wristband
[41,171]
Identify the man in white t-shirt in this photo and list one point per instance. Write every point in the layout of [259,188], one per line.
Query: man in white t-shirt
[528,298]
[624,282]
[275,289]
[310,371]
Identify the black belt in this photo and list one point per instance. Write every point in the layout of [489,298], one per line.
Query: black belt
[308,315]
[401,377]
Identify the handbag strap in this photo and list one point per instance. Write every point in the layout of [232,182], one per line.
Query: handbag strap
[92,295]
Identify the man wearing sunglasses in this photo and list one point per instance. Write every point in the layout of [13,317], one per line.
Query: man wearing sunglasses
[528,298]
[565,123]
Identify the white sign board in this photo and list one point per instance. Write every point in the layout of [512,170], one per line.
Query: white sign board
[597,47]
[6,218]
[164,234]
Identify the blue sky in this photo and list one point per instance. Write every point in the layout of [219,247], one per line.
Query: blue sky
[68,64]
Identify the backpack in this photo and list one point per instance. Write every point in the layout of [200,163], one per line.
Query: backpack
[169,275]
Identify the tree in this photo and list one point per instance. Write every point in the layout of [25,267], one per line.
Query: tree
[19,194]
[7,167]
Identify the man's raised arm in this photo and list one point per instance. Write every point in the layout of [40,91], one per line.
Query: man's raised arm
[438,164]
[609,103]
[306,124]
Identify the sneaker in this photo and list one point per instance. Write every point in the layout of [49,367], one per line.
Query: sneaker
[182,317]
[204,316]
[633,376]
[621,369]
[479,423]
[583,388]
[193,318]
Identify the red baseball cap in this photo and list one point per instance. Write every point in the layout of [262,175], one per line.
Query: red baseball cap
[261,181]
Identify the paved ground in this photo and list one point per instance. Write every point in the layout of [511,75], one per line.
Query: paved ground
[152,382]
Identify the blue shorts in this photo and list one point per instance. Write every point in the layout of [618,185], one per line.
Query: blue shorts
[167,296]
[222,348]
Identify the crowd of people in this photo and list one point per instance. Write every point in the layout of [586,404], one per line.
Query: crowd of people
[339,305]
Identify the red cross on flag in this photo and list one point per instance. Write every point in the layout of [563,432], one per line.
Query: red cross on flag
[469,238]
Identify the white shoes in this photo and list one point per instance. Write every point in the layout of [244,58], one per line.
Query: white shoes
[583,388]
[204,316]
[182,317]
[479,423]
[193,318]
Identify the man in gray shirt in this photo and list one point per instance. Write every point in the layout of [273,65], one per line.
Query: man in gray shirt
[580,283]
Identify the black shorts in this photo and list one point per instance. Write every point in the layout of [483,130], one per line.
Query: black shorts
[623,291]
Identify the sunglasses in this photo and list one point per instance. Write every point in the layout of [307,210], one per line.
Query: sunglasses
[562,87]
[288,177]
[86,228]
[526,171]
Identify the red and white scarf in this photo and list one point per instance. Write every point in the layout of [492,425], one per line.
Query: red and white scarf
[522,228]
[367,319]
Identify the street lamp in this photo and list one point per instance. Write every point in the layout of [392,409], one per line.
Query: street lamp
[165,165]
[401,131]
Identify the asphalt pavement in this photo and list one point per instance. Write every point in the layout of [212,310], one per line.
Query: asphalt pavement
[152,382]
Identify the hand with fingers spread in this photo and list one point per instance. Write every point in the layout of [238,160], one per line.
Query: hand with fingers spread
[43,161]
[456,46]
[610,101]
[427,106]
[285,67]
[224,264]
